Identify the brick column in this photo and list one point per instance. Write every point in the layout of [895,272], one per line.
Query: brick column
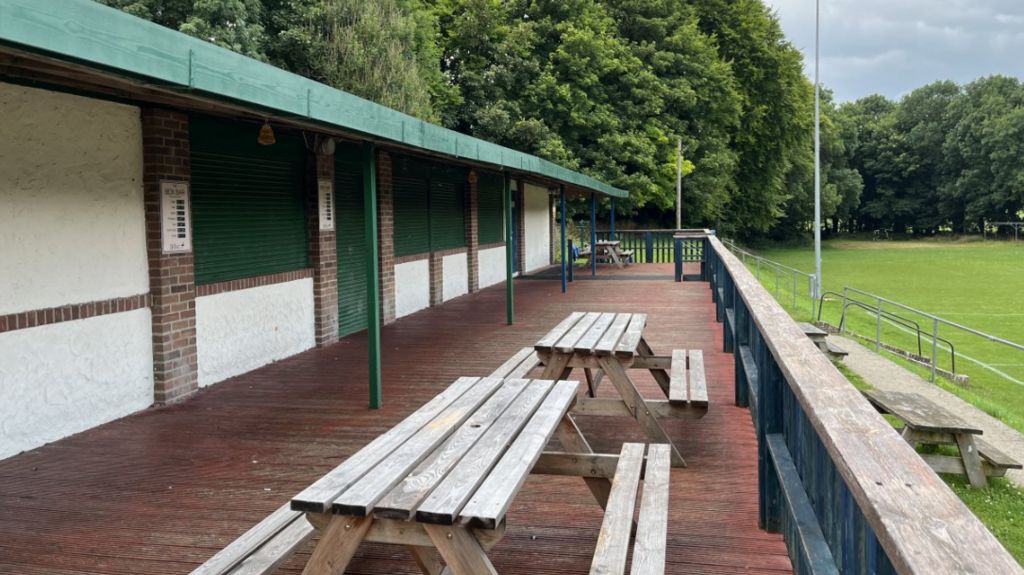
[385,237]
[521,224]
[165,149]
[472,237]
[323,253]
[436,278]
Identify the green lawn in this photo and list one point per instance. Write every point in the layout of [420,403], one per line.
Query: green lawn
[979,285]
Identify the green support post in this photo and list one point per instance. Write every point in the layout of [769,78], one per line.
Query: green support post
[509,307]
[372,274]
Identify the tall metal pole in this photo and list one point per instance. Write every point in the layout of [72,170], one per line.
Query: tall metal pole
[509,301]
[593,234]
[372,275]
[679,185]
[561,221]
[817,150]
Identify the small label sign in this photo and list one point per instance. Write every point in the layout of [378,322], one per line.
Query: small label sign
[326,189]
[175,222]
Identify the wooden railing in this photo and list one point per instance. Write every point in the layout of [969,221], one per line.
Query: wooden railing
[849,495]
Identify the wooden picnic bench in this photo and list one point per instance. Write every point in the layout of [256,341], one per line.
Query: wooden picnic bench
[926,422]
[444,479]
[608,251]
[606,345]
[819,338]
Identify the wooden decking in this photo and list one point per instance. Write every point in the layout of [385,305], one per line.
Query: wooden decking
[161,491]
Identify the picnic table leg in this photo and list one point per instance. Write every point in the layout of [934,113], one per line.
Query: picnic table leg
[338,543]
[460,550]
[591,390]
[637,406]
[426,559]
[660,375]
[972,461]
[557,366]
[572,440]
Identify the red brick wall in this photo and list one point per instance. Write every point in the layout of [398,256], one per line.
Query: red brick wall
[436,278]
[323,256]
[385,237]
[171,277]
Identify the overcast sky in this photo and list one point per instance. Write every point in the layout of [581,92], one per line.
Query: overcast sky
[890,47]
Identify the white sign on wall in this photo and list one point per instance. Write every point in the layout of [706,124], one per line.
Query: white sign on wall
[326,193]
[175,225]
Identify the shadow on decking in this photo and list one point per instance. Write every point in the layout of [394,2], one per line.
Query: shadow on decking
[162,490]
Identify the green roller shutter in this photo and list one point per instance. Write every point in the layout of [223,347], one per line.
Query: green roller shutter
[349,228]
[490,208]
[447,207]
[248,201]
[410,184]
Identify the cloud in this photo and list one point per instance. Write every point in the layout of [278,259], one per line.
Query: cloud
[891,47]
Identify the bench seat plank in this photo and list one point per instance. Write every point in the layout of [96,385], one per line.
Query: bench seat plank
[318,497]
[677,389]
[451,494]
[610,339]
[919,412]
[649,548]
[505,370]
[240,548]
[994,456]
[551,338]
[698,379]
[276,551]
[360,498]
[613,541]
[488,506]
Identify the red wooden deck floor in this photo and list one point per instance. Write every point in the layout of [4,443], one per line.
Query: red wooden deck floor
[161,491]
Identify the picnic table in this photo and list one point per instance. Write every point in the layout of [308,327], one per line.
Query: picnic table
[610,344]
[926,422]
[608,251]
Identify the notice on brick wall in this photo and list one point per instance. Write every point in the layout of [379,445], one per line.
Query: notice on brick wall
[175,225]
[326,193]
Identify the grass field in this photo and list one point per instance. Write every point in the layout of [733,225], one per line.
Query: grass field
[979,285]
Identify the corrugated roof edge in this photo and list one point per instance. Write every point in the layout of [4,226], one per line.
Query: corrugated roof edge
[86,31]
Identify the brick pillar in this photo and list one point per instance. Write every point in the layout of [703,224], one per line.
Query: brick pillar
[323,253]
[553,238]
[436,278]
[172,287]
[521,224]
[385,237]
[472,237]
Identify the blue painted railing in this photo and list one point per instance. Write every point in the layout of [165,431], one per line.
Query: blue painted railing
[847,493]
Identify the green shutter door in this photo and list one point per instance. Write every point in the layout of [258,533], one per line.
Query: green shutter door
[349,228]
[248,201]
[447,207]
[490,210]
[410,184]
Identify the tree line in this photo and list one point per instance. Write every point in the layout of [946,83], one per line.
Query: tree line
[608,86]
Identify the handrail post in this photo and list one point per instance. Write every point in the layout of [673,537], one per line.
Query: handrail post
[935,337]
[677,256]
[649,247]
[878,326]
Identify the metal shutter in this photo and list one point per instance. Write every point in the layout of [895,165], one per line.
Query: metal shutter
[410,185]
[490,208]
[349,227]
[248,201]
[447,207]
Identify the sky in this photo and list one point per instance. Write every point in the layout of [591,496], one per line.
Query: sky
[890,47]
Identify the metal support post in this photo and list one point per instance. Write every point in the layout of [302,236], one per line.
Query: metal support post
[372,275]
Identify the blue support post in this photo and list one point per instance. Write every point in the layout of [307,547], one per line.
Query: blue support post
[593,234]
[509,295]
[561,221]
[677,255]
[649,247]
[611,235]
[570,269]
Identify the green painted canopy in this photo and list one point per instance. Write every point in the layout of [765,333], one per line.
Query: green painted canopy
[86,32]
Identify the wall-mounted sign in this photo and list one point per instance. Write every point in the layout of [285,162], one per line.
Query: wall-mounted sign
[175,223]
[326,193]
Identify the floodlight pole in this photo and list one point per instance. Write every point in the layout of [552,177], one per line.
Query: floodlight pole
[817,151]
[679,185]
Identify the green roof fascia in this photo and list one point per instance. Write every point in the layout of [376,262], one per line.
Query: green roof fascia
[90,32]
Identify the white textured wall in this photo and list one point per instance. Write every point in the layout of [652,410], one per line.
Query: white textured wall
[60,379]
[455,276]
[491,264]
[241,330]
[72,227]
[538,228]
[412,287]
